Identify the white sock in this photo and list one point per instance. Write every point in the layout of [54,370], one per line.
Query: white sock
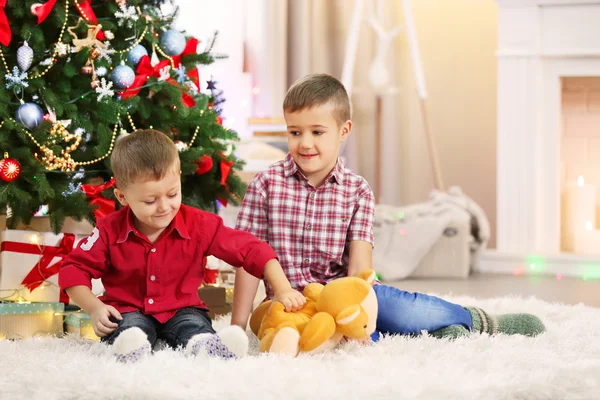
[230,342]
[131,345]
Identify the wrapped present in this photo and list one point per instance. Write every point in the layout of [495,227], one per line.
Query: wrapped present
[80,324]
[23,320]
[215,298]
[29,265]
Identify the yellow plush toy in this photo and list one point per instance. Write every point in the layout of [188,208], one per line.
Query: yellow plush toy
[344,307]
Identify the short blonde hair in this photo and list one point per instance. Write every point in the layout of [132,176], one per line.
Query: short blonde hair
[315,90]
[144,154]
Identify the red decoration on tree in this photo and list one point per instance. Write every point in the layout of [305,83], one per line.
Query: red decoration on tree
[190,48]
[225,170]
[103,205]
[205,164]
[5,32]
[219,120]
[10,169]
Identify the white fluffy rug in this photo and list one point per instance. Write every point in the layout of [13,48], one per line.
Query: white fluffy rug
[563,363]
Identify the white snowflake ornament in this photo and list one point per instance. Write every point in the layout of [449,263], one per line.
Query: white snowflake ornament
[126,15]
[105,89]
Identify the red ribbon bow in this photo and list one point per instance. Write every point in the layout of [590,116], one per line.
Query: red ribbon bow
[225,170]
[5,33]
[143,72]
[94,192]
[40,271]
[190,48]
[43,11]
[84,7]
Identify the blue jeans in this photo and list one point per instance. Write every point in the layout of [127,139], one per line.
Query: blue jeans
[177,331]
[405,313]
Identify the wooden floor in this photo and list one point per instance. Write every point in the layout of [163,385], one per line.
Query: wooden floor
[565,290]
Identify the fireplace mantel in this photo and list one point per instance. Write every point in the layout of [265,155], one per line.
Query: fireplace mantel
[539,42]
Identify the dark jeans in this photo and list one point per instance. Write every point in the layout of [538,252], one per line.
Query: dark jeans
[177,331]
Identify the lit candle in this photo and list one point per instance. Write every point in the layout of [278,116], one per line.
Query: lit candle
[587,241]
[578,209]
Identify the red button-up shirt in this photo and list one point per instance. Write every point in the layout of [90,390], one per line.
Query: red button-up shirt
[309,228]
[162,277]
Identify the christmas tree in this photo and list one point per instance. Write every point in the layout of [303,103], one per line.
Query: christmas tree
[77,75]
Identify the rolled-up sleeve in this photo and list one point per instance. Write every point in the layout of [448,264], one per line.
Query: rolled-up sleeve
[361,225]
[88,261]
[253,213]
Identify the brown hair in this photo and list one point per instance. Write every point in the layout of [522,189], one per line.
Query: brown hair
[145,154]
[315,90]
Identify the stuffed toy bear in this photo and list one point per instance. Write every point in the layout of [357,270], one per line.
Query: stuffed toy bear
[345,307]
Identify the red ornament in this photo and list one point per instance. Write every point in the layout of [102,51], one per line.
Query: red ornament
[205,164]
[10,169]
[211,276]
[219,120]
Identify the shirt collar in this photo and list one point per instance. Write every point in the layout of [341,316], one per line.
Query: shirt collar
[178,224]
[290,168]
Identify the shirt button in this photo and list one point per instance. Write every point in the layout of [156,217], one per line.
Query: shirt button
[312,195]
[150,301]
[308,227]
[153,250]
[306,261]
[152,278]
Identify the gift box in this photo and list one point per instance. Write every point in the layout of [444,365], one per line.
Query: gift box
[80,324]
[24,320]
[215,298]
[29,265]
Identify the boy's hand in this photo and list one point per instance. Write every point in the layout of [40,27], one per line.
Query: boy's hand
[101,319]
[292,299]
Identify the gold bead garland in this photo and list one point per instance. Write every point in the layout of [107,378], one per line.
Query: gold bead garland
[62,31]
[64,162]
[165,55]
[193,136]
[138,40]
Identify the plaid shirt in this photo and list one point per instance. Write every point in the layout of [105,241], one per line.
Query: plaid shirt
[309,229]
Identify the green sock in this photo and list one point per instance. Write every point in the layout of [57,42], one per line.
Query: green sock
[450,332]
[508,324]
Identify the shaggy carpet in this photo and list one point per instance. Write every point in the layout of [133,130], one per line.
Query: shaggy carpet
[563,363]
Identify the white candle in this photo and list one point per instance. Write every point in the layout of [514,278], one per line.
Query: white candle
[587,241]
[578,209]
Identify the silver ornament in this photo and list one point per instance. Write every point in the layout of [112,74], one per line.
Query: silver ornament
[135,55]
[172,42]
[30,115]
[123,76]
[24,56]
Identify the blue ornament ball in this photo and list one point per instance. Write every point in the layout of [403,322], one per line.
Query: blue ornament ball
[123,76]
[135,55]
[172,42]
[30,115]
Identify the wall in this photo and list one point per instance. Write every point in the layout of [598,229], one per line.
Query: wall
[457,40]
[201,18]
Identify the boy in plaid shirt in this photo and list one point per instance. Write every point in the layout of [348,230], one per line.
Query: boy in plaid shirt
[318,217]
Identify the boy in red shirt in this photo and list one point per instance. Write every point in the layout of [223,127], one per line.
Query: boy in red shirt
[149,255]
